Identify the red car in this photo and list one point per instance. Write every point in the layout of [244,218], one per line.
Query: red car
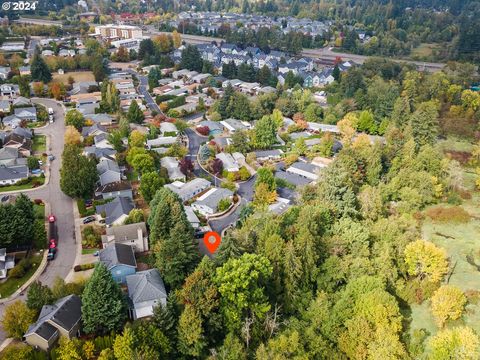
[51,218]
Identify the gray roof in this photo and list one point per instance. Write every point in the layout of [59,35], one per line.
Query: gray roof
[98,152]
[291,178]
[7,153]
[87,130]
[13,172]
[190,189]
[267,153]
[25,112]
[117,254]
[125,232]
[146,286]
[65,313]
[107,164]
[305,167]
[115,209]
[212,125]
[26,133]
[212,197]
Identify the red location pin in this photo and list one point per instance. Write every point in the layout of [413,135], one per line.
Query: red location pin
[211,240]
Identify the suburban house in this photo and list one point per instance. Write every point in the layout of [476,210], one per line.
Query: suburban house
[108,171]
[173,168]
[232,125]
[161,142]
[116,211]
[230,164]
[168,129]
[21,101]
[5,106]
[134,235]
[264,155]
[306,170]
[101,141]
[292,178]
[190,189]
[23,144]
[4,70]
[94,130]
[114,189]
[119,260]
[207,204]
[7,262]
[214,127]
[26,113]
[9,90]
[60,319]
[192,217]
[10,156]
[145,291]
[13,174]
[98,152]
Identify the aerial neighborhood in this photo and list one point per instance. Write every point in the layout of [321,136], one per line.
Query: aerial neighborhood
[237,181]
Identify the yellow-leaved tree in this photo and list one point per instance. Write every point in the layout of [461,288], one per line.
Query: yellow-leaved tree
[448,303]
[426,261]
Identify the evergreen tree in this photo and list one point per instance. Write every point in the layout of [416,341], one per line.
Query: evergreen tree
[336,73]
[176,250]
[99,68]
[135,114]
[191,59]
[39,69]
[225,101]
[78,174]
[103,303]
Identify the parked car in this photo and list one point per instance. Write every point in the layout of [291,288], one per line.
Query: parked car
[51,253]
[51,157]
[89,219]
[88,203]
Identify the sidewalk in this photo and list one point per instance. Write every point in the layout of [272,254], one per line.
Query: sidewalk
[78,240]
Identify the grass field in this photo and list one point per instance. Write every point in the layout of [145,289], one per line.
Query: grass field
[8,287]
[39,143]
[77,75]
[424,51]
[89,251]
[40,179]
[460,241]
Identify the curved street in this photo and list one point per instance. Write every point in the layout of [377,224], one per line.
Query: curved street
[60,204]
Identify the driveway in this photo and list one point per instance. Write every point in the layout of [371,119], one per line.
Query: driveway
[61,205]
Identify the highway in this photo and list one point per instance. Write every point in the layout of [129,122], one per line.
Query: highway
[325,54]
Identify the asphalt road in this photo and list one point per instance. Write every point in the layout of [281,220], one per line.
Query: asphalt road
[60,204]
[245,189]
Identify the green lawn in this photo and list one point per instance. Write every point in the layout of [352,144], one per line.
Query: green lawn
[32,125]
[460,241]
[89,251]
[11,285]
[29,185]
[39,143]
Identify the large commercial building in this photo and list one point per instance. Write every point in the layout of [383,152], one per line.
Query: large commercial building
[112,31]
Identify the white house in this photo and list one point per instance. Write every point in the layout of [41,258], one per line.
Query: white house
[305,170]
[173,168]
[188,190]
[207,204]
[229,163]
